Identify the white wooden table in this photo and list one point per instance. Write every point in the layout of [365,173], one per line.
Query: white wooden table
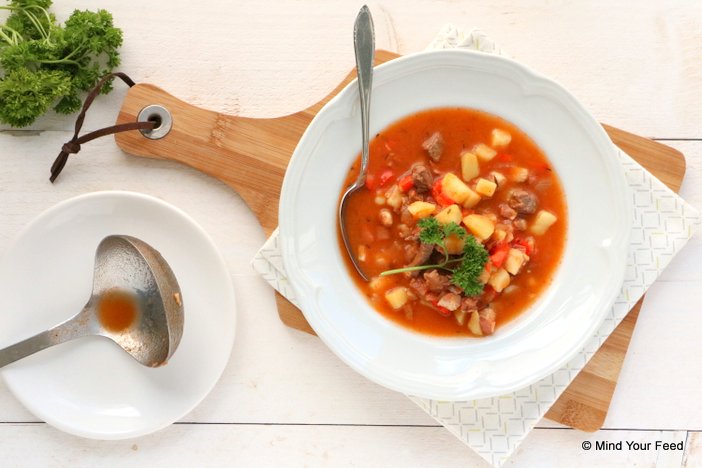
[285,399]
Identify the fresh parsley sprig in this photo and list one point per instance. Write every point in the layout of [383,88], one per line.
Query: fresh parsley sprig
[44,64]
[465,269]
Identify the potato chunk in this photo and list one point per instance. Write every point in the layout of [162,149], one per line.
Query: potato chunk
[454,244]
[470,169]
[499,280]
[480,226]
[515,260]
[460,316]
[450,214]
[474,323]
[544,220]
[519,174]
[471,200]
[500,138]
[485,187]
[454,188]
[485,274]
[499,235]
[396,297]
[420,209]
[484,152]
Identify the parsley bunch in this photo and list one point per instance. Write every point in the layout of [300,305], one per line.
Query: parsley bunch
[44,64]
[465,269]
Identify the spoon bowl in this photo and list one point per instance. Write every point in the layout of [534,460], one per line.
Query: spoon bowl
[136,302]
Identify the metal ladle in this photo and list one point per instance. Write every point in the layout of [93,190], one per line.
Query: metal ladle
[131,266]
[364,48]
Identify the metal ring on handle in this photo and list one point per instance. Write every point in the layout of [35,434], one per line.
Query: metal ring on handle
[158,114]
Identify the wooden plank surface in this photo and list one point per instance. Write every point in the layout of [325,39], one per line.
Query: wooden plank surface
[250,155]
[293,446]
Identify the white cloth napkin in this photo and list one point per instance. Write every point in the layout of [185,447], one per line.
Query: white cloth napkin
[494,427]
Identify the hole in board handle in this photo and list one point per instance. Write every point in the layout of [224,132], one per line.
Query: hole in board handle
[159,115]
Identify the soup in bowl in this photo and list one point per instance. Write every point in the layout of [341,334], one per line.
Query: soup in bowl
[570,230]
[460,225]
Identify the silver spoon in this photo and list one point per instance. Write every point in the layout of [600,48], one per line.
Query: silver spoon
[364,47]
[126,269]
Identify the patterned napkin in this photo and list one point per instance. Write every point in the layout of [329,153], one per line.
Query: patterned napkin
[494,427]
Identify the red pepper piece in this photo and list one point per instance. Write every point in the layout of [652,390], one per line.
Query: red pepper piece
[504,157]
[443,311]
[406,183]
[436,189]
[385,177]
[498,254]
[439,196]
[523,245]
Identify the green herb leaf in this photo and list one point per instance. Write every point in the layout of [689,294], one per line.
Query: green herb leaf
[50,64]
[24,95]
[454,229]
[431,231]
[465,269]
[466,275]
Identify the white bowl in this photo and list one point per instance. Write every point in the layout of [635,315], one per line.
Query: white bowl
[567,313]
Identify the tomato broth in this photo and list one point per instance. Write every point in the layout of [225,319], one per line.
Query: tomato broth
[426,170]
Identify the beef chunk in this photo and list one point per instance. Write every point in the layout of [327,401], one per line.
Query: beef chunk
[469,304]
[419,285]
[487,297]
[450,301]
[487,320]
[436,281]
[413,234]
[523,201]
[434,146]
[506,211]
[520,224]
[422,178]
[422,255]
[405,218]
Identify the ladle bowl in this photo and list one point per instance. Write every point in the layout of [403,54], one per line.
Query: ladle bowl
[136,271]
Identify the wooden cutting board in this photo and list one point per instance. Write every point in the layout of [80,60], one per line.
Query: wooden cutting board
[251,156]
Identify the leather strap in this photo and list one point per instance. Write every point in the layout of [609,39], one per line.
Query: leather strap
[74,144]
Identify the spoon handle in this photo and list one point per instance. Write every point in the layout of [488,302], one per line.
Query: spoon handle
[72,328]
[364,45]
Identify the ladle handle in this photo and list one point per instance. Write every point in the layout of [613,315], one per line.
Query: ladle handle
[72,328]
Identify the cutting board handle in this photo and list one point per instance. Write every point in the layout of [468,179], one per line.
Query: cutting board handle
[250,155]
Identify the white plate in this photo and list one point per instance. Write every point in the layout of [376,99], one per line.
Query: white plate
[566,315]
[90,387]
